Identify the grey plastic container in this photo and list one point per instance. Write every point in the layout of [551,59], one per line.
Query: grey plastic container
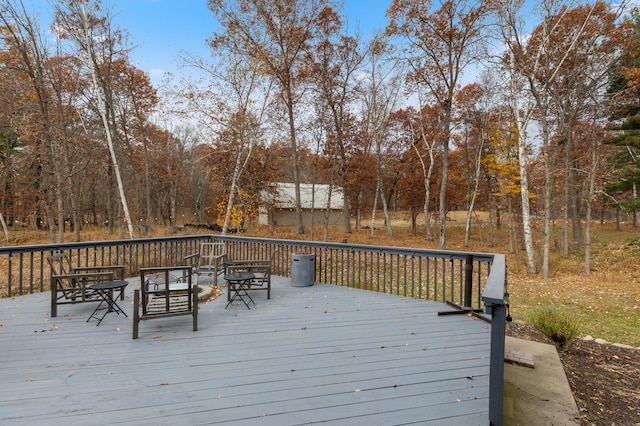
[303,268]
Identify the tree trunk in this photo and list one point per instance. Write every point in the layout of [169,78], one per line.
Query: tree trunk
[575,210]
[380,189]
[526,210]
[635,210]
[474,194]
[427,172]
[294,161]
[374,208]
[91,61]
[347,211]
[592,190]
[237,171]
[548,201]
[443,194]
[4,227]
[565,207]
[147,187]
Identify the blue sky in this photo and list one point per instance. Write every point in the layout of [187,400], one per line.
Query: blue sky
[160,29]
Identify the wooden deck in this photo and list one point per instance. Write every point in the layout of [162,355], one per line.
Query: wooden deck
[310,354]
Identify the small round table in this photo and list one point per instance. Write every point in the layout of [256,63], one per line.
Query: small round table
[107,290]
[238,285]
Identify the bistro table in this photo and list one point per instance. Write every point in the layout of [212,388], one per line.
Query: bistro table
[107,290]
[238,285]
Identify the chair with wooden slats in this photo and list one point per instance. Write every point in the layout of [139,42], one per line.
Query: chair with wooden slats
[161,295]
[69,284]
[208,261]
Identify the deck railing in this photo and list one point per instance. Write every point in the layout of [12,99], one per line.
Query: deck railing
[466,280]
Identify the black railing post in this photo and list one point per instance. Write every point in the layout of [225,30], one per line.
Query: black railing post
[468,280]
[494,300]
[496,363]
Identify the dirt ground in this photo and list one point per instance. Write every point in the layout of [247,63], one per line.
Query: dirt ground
[605,379]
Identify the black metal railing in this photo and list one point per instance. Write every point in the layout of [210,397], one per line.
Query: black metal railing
[25,269]
[467,280]
[418,273]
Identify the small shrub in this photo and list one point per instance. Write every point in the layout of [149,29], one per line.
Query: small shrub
[555,323]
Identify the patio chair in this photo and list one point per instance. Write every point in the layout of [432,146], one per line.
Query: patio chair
[69,284]
[208,261]
[161,296]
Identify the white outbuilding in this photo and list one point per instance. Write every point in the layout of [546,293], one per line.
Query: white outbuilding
[278,207]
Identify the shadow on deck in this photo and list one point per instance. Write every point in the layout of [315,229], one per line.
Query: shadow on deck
[309,354]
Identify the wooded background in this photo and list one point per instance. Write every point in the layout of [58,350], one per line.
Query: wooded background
[527,112]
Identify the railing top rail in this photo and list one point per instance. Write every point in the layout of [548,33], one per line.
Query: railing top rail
[91,244]
[409,251]
[494,290]
[412,251]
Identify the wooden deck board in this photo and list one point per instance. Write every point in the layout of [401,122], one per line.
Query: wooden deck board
[309,354]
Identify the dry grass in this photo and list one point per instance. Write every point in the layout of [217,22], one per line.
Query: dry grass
[607,303]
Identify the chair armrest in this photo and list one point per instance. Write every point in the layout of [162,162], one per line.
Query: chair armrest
[191,256]
[93,276]
[117,270]
[164,268]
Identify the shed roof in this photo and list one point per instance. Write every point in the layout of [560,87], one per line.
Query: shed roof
[285,196]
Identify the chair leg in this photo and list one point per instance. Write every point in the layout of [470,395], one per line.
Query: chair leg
[195,310]
[54,300]
[136,318]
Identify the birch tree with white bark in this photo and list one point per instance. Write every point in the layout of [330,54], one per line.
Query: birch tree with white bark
[97,42]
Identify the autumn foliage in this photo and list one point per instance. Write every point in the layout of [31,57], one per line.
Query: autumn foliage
[424,117]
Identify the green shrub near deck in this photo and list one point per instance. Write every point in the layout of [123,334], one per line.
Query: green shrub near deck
[556,323]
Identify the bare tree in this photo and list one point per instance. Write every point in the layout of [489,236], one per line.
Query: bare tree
[234,102]
[276,34]
[96,41]
[335,62]
[380,92]
[21,33]
[538,63]
[474,117]
[442,43]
